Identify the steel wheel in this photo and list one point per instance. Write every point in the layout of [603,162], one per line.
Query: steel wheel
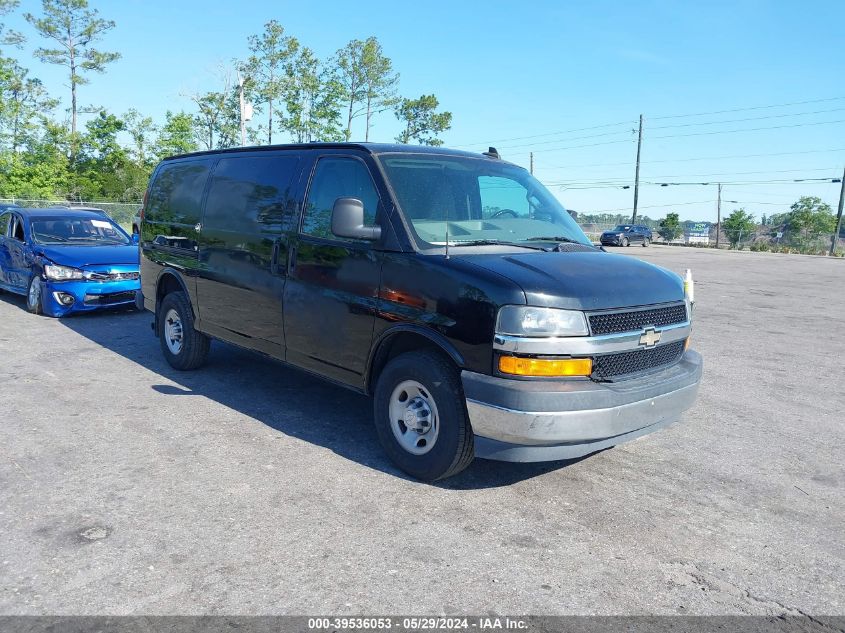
[413,417]
[173,331]
[624,241]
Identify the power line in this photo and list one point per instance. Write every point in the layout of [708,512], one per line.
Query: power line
[682,125]
[754,118]
[632,122]
[762,107]
[685,160]
[561,140]
[751,129]
[572,186]
[675,176]
[654,138]
[521,138]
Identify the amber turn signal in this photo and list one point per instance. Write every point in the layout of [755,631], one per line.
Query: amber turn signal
[545,366]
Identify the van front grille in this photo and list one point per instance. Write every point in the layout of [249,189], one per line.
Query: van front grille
[635,361]
[633,320]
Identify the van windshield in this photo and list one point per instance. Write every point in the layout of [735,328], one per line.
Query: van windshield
[465,200]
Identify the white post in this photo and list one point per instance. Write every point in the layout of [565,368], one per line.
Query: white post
[241,101]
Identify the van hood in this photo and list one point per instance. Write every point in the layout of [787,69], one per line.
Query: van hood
[82,256]
[584,281]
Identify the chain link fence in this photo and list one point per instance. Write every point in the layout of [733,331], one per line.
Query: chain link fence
[120,212]
[767,239]
[760,239]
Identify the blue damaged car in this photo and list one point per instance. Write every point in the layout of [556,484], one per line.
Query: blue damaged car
[67,260]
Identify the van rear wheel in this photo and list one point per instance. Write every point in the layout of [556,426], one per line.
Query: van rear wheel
[421,418]
[183,347]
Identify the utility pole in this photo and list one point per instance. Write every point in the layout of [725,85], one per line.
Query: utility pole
[838,216]
[637,174]
[718,215]
[531,170]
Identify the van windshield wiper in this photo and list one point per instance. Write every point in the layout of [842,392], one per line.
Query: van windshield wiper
[568,240]
[490,242]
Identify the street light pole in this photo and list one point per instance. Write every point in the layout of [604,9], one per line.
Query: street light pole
[838,216]
[718,214]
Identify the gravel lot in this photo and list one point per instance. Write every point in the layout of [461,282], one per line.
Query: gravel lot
[250,488]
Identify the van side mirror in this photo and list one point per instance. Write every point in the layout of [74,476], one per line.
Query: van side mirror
[348,220]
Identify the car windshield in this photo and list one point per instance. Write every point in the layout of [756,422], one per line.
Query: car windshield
[77,230]
[465,200]
[623,227]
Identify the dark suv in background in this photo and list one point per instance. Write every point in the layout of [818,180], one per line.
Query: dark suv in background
[450,286]
[627,234]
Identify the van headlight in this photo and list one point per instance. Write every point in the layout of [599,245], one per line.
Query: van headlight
[61,273]
[532,321]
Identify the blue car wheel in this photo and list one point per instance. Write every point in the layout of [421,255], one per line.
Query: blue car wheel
[34,295]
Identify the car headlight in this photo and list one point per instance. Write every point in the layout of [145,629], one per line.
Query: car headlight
[61,273]
[533,321]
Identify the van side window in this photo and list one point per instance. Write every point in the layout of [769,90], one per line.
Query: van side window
[247,191]
[176,193]
[4,223]
[337,178]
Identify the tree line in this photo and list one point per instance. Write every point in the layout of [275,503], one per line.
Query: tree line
[807,221]
[45,152]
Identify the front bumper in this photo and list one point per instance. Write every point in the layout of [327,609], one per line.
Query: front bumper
[527,421]
[87,295]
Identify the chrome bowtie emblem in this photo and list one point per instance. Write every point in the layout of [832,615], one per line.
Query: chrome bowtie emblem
[650,337]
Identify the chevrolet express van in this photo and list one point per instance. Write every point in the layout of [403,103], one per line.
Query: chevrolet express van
[450,286]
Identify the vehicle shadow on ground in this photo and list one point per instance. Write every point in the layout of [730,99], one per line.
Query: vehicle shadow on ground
[285,399]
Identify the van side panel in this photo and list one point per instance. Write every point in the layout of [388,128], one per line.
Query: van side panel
[242,250]
[452,297]
[332,283]
[168,236]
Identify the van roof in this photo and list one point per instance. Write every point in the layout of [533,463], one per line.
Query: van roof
[372,148]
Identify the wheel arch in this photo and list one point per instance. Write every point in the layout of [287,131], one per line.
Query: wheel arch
[169,280]
[405,338]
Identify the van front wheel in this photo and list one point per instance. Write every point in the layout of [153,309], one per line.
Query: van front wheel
[421,418]
[183,347]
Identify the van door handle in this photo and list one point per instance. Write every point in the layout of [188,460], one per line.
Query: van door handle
[274,258]
[292,258]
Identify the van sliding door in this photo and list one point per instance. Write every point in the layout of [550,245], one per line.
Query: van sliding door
[240,284]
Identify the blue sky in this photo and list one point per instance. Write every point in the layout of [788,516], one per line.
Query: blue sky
[549,71]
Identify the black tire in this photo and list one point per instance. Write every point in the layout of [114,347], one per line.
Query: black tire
[193,350]
[34,306]
[625,241]
[453,449]
[645,242]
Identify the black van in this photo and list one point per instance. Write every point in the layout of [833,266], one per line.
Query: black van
[451,286]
